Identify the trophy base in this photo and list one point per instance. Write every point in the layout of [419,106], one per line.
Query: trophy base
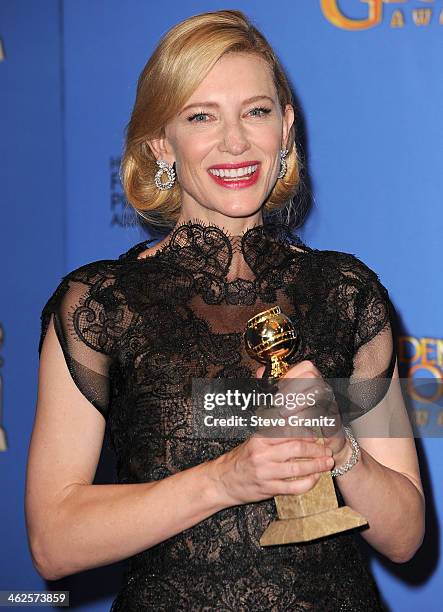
[312,527]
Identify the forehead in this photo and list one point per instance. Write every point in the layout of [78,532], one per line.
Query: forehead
[236,75]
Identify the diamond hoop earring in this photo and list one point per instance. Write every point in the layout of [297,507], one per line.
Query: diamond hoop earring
[283,164]
[164,167]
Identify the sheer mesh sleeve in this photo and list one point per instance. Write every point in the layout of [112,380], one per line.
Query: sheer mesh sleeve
[375,355]
[87,324]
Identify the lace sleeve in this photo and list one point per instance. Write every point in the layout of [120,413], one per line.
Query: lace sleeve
[375,355]
[374,350]
[84,318]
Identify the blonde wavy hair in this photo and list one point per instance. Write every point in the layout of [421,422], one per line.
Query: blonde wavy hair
[182,59]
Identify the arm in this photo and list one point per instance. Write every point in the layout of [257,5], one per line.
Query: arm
[74,525]
[389,497]
[385,485]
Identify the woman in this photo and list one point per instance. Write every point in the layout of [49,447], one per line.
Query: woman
[127,336]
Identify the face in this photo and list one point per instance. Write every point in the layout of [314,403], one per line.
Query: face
[231,125]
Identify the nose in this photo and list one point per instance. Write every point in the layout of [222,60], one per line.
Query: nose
[233,138]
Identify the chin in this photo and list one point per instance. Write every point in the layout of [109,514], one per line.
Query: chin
[238,210]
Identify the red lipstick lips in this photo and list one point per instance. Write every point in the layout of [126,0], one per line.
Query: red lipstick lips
[236,182]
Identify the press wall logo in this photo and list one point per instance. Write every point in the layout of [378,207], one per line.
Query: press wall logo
[423,358]
[122,214]
[399,15]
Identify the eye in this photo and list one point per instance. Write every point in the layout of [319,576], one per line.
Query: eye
[195,116]
[263,111]
[259,111]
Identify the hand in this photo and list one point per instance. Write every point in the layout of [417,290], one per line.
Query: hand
[262,467]
[311,382]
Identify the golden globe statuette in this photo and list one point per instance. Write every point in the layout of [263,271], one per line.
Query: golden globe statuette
[270,338]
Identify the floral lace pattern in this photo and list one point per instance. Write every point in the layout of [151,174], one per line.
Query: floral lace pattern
[135,331]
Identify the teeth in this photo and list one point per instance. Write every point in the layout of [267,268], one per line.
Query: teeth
[233,172]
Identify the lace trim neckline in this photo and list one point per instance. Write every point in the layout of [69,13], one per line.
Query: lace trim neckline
[196,234]
[201,256]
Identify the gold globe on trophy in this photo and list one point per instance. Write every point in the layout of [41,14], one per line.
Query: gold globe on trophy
[271,338]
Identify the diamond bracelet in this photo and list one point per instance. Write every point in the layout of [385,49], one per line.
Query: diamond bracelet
[352,459]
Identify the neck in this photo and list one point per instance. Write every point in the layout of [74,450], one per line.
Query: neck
[235,226]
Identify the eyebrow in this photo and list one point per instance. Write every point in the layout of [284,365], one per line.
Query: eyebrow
[214,104]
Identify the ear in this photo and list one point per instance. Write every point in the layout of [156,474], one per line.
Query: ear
[288,120]
[161,149]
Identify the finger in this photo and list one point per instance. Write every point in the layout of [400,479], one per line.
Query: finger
[300,468]
[295,468]
[294,487]
[303,369]
[301,394]
[320,390]
[276,441]
[290,384]
[316,400]
[334,430]
[259,373]
[299,449]
[311,383]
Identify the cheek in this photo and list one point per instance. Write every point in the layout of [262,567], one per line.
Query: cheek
[192,151]
[268,141]
[271,139]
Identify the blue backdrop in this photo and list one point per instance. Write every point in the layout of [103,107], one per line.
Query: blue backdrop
[367,77]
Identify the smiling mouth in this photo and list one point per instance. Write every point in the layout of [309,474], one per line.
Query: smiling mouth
[234,174]
[235,178]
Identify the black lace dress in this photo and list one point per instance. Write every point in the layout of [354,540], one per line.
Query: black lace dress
[135,331]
